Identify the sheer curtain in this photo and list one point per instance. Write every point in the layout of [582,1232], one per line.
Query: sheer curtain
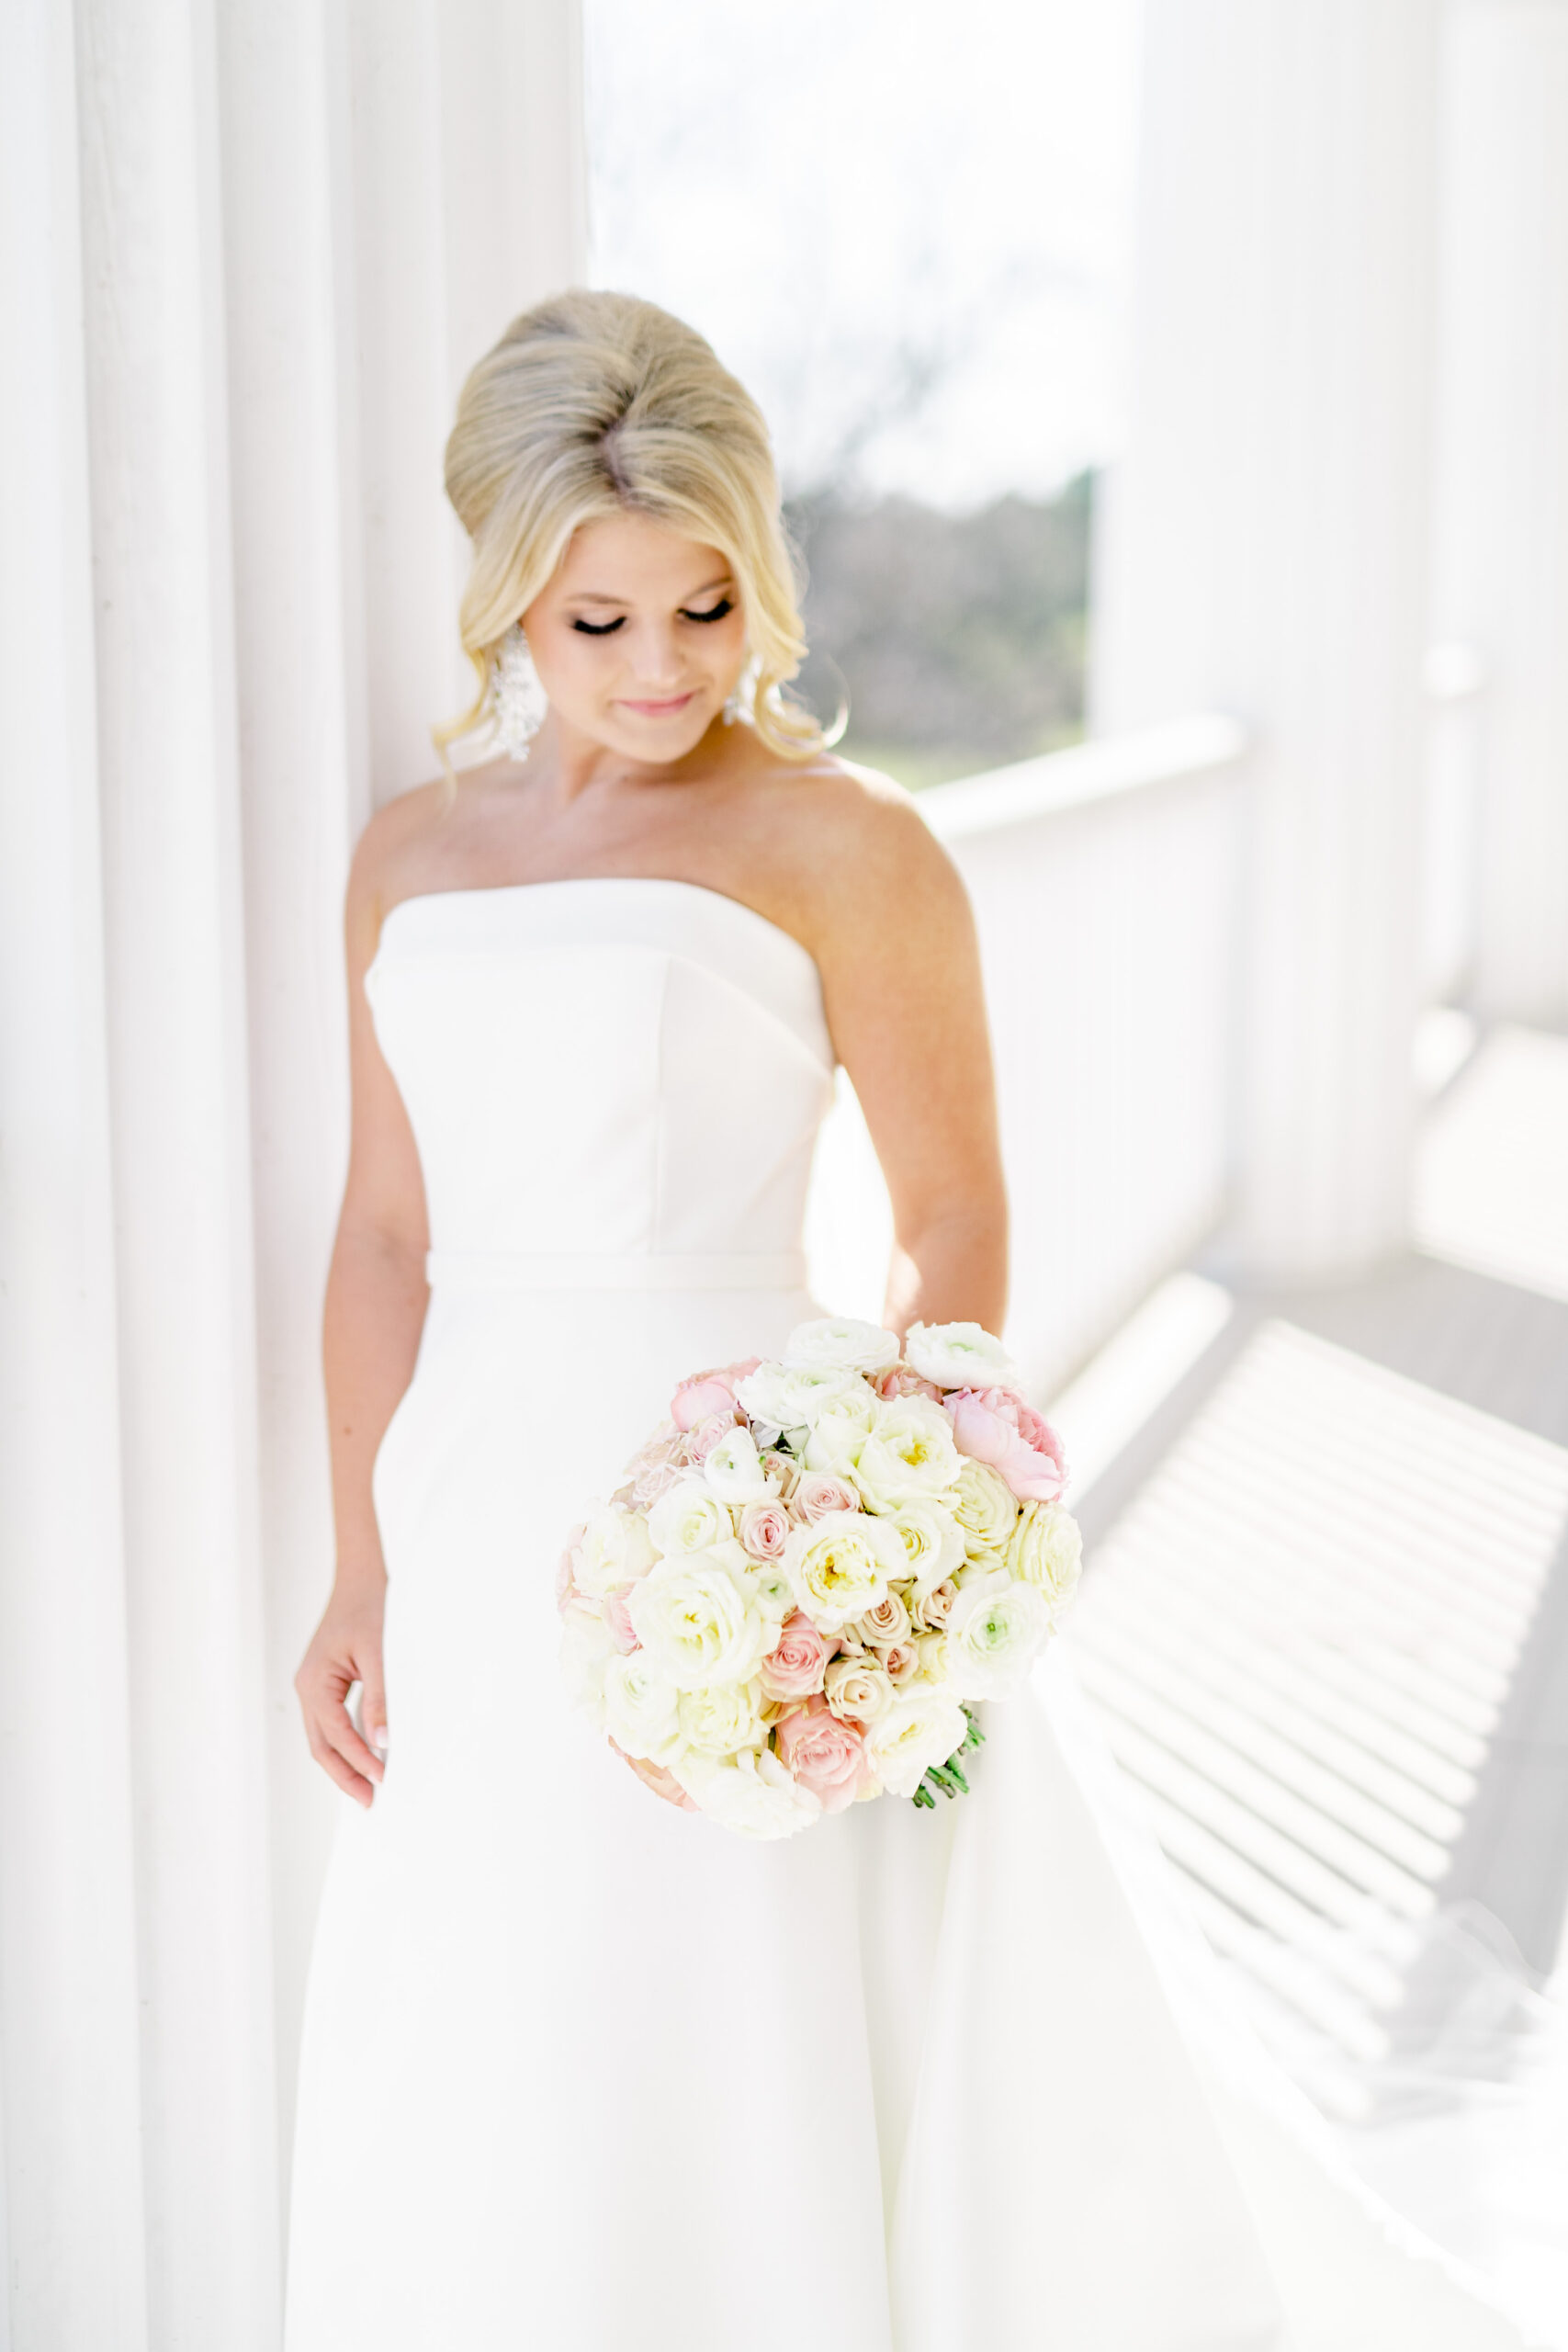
[250,248]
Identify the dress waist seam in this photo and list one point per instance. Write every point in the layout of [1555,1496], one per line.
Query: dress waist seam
[484,1270]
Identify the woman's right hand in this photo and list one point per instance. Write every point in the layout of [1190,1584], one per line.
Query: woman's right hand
[344,1649]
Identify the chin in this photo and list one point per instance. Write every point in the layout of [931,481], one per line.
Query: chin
[660,741]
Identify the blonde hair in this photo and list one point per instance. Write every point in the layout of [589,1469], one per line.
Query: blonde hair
[595,404]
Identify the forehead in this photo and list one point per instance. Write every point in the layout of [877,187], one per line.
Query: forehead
[630,556]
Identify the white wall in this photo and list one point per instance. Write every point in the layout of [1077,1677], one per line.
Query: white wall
[251,250]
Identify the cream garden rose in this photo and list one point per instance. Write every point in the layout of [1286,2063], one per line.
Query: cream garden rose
[698,1625]
[909,1456]
[921,1728]
[841,1565]
[985,1509]
[720,1717]
[932,1541]
[1046,1552]
[689,1517]
[857,1690]
[752,1793]
[841,1430]
[613,1549]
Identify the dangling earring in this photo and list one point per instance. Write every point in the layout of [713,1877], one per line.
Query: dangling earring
[518,701]
[740,701]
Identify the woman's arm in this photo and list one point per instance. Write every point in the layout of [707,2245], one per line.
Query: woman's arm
[374,1311]
[901,974]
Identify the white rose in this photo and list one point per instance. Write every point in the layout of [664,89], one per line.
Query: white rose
[839,1344]
[910,1457]
[931,1657]
[586,1648]
[641,1709]
[985,1509]
[959,1355]
[840,1430]
[733,1469]
[857,1690]
[613,1549]
[932,1541]
[1046,1552]
[689,1517]
[721,1717]
[790,1396]
[994,1634]
[921,1728]
[840,1565]
[696,1624]
[753,1793]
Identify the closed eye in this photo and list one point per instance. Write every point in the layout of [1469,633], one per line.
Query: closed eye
[600,628]
[715,613]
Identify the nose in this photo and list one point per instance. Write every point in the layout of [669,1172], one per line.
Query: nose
[658,663]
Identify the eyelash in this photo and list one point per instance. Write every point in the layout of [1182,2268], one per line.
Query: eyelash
[608,628]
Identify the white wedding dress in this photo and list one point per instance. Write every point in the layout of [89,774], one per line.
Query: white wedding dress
[584,2073]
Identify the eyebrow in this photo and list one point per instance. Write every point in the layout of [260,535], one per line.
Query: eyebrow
[594,597]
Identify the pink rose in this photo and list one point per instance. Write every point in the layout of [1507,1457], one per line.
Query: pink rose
[618,1618]
[705,1435]
[765,1530]
[565,1583]
[902,1662]
[796,1669]
[937,1607]
[898,1380]
[819,1492]
[708,1392]
[995,1425]
[826,1755]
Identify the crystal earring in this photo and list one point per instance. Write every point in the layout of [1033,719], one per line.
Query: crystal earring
[518,703]
[742,699]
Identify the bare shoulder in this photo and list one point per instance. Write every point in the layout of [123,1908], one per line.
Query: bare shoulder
[853,851]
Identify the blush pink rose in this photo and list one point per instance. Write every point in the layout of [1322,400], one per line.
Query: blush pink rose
[902,1661]
[708,1392]
[937,1606]
[796,1669]
[995,1425]
[704,1434]
[826,1755]
[765,1530]
[618,1617]
[819,1492]
[898,1380]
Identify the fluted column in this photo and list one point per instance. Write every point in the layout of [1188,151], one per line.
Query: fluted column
[1264,550]
[1502,516]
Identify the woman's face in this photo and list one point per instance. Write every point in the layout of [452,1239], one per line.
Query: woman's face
[639,639]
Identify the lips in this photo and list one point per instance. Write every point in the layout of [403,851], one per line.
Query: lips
[666,709]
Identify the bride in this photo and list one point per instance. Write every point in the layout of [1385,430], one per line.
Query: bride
[581,2072]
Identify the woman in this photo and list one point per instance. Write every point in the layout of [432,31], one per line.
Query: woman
[582,2073]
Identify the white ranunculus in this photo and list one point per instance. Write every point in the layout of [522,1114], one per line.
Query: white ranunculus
[839,1344]
[641,1709]
[614,1548]
[922,1727]
[733,1469]
[696,1624]
[840,1565]
[1046,1552]
[689,1517]
[586,1648]
[985,1509]
[841,1428]
[766,1583]
[910,1457]
[932,1541]
[994,1634]
[722,1717]
[859,1690]
[790,1396]
[753,1793]
[959,1355]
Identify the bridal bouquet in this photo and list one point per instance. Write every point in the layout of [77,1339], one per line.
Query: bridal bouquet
[814,1569]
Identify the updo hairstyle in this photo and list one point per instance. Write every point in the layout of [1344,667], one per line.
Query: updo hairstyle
[595,404]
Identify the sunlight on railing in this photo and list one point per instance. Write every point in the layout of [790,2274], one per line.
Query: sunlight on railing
[1299,1636]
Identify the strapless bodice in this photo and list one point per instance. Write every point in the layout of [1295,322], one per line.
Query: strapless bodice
[609,1069]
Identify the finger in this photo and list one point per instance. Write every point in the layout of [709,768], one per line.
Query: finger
[352,1783]
[373,1707]
[336,1728]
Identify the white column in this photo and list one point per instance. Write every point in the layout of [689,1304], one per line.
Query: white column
[1501,514]
[1264,549]
[468,206]
[72,2223]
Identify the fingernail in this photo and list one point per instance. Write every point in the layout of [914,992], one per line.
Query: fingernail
[378,1739]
